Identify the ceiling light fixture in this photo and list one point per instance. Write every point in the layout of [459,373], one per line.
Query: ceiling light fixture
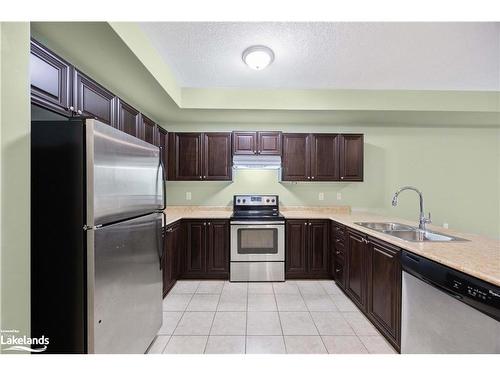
[258,57]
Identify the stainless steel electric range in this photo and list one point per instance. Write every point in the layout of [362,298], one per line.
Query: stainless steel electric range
[257,239]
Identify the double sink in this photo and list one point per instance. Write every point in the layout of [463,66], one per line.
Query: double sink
[409,233]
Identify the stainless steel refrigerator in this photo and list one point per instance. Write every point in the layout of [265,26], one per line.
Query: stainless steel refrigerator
[97,203]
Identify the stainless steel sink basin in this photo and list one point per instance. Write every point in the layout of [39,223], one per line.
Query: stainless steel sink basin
[409,233]
[386,226]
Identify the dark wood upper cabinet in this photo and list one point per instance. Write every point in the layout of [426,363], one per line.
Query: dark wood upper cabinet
[217,156]
[244,143]
[162,142]
[218,247]
[296,157]
[384,288]
[351,157]
[257,143]
[129,119]
[185,156]
[93,100]
[355,278]
[269,143]
[324,157]
[51,80]
[200,156]
[148,130]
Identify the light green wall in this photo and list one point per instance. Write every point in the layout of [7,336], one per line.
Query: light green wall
[456,168]
[15,177]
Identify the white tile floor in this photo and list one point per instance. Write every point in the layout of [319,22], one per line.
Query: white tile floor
[304,316]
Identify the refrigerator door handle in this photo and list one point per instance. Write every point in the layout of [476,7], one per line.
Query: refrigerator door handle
[164,174]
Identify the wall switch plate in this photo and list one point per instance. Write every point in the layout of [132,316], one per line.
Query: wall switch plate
[339,196]
[321,196]
[188,195]
[445,225]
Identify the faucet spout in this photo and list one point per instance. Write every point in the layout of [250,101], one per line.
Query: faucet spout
[422,220]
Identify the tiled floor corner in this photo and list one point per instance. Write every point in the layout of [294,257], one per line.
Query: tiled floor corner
[294,317]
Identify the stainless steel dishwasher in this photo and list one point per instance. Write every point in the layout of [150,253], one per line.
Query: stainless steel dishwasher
[447,311]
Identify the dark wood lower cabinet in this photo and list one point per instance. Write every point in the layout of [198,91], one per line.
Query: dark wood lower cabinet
[206,253]
[355,282]
[307,247]
[384,289]
[171,255]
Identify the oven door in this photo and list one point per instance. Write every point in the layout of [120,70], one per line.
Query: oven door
[257,242]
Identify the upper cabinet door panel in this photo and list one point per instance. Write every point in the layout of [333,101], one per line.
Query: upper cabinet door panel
[244,143]
[217,156]
[186,151]
[269,143]
[128,119]
[324,157]
[93,100]
[148,130]
[351,157]
[50,79]
[296,157]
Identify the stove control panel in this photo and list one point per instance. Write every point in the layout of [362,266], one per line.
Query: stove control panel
[255,200]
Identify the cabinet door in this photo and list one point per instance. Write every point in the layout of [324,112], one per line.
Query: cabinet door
[218,248]
[217,156]
[355,278]
[296,157]
[50,79]
[244,143]
[384,288]
[170,257]
[296,248]
[93,100]
[324,157]
[163,143]
[269,143]
[148,131]
[185,156]
[129,119]
[195,254]
[318,248]
[351,157]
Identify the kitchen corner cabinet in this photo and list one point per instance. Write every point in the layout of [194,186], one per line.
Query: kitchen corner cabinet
[256,143]
[171,255]
[162,143]
[206,253]
[322,157]
[338,254]
[307,248]
[373,281]
[200,156]
[93,100]
[51,80]
[128,119]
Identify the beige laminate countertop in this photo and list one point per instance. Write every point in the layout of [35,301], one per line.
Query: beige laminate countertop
[479,257]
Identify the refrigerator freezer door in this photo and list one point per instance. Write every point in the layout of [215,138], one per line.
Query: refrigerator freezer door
[124,285]
[124,175]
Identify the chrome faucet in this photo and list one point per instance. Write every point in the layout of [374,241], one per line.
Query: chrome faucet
[422,221]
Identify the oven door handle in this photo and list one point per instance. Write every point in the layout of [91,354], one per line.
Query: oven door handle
[249,223]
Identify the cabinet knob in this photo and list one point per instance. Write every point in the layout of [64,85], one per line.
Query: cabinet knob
[205,223]
[201,177]
[71,108]
[337,252]
[79,111]
[338,270]
[209,223]
[312,177]
[309,223]
[308,177]
[204,176]
[342,177]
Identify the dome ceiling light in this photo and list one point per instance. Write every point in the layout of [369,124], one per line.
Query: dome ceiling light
[258,57]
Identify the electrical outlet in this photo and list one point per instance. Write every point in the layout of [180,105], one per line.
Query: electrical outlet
[445,225]
[321,196]
[339,196]
[188,195]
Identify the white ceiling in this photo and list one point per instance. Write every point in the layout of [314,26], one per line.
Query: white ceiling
[409,56]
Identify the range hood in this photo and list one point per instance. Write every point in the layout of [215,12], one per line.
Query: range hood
[256,162]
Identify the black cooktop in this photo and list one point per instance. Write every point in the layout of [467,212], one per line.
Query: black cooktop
[256,208]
